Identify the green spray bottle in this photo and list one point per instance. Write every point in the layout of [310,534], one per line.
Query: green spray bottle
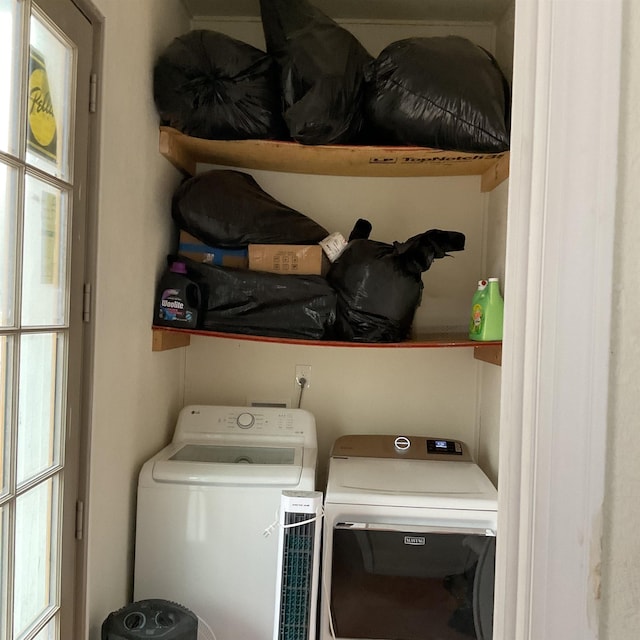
[487,313]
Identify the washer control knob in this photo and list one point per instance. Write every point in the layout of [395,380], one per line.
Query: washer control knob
[245,420]
[402,443]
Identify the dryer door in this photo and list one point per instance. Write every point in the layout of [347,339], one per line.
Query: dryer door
[417,583]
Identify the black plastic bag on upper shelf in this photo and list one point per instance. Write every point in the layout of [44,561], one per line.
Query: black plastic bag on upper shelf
[264,304]
[321,72]
[209,85]
[379,285]
[444,92]
[228,209]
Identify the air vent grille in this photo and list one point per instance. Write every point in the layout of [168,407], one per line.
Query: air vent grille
[298,565]
[297,573]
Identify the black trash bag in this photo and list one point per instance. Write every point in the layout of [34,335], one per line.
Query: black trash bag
[264,304]
[379,285]
[361,230]
[228,209]
[321,72]
[443,92]
[209,85]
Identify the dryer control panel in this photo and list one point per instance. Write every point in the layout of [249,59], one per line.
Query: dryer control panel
[399,446]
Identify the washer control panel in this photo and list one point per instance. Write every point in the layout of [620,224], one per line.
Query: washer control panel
[400,446]
[208,421]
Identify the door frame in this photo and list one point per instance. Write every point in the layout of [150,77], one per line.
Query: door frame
[558,291]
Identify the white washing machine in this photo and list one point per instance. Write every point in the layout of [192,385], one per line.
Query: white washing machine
[409,541]
[204,503]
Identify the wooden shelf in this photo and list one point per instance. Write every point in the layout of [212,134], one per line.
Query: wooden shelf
[165,338]
[184,152]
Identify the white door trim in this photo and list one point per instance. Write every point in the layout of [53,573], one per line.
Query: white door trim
[557,318]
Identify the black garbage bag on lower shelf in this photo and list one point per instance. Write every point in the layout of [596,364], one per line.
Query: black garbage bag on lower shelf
[321,71]
[209,85]
[228,209]
[444,92]
[264,304]
[379,285]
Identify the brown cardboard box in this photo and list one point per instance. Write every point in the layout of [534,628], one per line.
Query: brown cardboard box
[290,259]
[191,247]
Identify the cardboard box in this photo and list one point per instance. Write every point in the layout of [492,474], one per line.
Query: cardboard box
[192,248]
[292,259]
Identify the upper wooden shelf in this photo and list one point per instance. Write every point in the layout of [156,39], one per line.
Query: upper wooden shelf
[185,152]
[165,338]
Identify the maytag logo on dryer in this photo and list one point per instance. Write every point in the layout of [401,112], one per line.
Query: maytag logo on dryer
[415,541]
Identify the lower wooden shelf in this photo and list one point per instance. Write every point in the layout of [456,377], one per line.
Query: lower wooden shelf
[165,338]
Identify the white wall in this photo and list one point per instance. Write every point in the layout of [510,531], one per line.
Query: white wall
[414,391]
[490,375]
[621,542]
[136,393]
[373,35]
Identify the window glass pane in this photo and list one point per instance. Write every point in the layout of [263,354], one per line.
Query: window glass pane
[39,403]
[9,74]
[48,633]
[51,62]
[5,410]
[44,256]
[8,238]
[4,571]
[36,556]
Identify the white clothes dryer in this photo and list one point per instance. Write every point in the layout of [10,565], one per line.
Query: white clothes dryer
[204,502]
[409,541]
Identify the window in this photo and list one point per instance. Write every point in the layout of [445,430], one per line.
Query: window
[45,50]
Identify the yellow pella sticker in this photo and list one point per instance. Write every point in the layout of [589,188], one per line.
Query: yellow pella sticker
[42,122]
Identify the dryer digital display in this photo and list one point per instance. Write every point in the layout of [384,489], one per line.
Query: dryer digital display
[444,446]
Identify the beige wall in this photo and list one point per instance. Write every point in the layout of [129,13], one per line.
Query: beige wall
[441,392]
[364,390]
[136,393]
[373,36]
[621,577]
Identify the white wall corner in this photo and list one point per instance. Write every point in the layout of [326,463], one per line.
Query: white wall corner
[556,343]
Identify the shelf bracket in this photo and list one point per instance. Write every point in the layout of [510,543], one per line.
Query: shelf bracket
[165,340]
[171,147]
[491,353]
[496,174]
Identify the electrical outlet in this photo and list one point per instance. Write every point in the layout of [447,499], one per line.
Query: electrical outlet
[303,371]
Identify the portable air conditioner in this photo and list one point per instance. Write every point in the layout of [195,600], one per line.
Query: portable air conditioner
[298,565]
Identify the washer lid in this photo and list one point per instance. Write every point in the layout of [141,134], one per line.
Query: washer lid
[235,454]
[420,483]
[199,463]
